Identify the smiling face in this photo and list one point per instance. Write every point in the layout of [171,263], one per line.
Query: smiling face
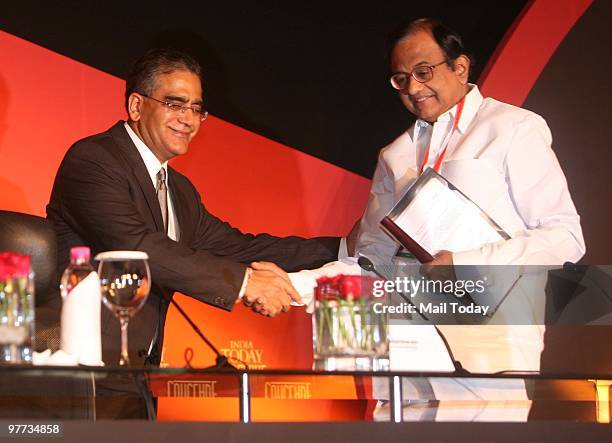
[167,133]
[431,99]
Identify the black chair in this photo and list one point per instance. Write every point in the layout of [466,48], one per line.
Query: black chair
[35,236]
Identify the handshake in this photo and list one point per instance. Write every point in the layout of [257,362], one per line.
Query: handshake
[268,290]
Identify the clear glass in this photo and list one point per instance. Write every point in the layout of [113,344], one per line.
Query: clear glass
[125,286]
[350,335]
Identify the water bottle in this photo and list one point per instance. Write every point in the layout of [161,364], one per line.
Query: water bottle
[77,270]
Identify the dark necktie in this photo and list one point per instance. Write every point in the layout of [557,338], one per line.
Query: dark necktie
[162,196]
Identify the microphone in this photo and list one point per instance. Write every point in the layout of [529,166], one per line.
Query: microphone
[570,266]
[367,265]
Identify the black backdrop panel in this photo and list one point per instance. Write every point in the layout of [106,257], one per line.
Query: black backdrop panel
[311,75]
[573,95]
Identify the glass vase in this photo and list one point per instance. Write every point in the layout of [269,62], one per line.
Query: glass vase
[350,334]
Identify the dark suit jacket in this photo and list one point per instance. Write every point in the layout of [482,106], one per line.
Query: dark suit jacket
[103,197]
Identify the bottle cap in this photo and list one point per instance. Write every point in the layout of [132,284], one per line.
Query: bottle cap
[80,253]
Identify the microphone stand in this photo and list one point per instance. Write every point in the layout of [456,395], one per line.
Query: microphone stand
[367,265]
[221,361]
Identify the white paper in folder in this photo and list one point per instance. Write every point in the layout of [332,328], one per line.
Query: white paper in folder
[418,348]
[440,217]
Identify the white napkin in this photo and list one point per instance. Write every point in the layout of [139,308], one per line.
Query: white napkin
[59,358]
[80,327]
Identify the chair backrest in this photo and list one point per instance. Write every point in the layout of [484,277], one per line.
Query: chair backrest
[33,236]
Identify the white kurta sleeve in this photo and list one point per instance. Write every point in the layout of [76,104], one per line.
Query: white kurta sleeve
[539,191]
[373,241]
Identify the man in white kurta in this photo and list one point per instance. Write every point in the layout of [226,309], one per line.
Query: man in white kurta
[502,160]
[500,156]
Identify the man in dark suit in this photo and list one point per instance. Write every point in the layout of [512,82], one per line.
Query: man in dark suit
[115,191]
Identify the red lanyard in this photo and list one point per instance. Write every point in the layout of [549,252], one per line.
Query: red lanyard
[441,156]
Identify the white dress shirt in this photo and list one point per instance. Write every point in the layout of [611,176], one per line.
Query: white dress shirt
[153,166]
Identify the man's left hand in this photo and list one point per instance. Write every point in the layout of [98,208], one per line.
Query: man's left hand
[441,268]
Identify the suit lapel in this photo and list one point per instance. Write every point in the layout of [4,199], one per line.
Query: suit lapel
[132,156]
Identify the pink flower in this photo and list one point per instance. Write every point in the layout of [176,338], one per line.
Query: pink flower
[350,286]
[344,287]
[327,289]
[13,264]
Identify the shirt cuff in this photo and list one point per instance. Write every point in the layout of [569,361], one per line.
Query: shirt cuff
[304,283]
[247,274]
[465,258]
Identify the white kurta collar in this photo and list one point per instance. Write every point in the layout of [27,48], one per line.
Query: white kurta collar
[473,100]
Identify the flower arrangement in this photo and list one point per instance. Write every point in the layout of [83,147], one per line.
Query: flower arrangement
[16,307]
[345,323]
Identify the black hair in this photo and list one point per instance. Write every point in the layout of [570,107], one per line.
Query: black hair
[449,41]
[144,71]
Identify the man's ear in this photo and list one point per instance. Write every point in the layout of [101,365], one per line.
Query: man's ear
[461,66]
[135,103]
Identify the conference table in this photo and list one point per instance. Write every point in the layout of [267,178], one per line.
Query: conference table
[73,395]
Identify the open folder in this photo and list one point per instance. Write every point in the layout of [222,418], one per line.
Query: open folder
[434,215]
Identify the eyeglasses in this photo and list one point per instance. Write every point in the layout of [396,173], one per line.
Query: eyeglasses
[421,74]
[178,108]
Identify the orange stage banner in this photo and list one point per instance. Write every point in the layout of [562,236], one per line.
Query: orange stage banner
[261,343]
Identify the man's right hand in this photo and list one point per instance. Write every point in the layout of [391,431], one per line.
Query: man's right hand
[268,293]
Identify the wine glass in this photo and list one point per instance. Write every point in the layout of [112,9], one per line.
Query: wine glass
[125,281]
